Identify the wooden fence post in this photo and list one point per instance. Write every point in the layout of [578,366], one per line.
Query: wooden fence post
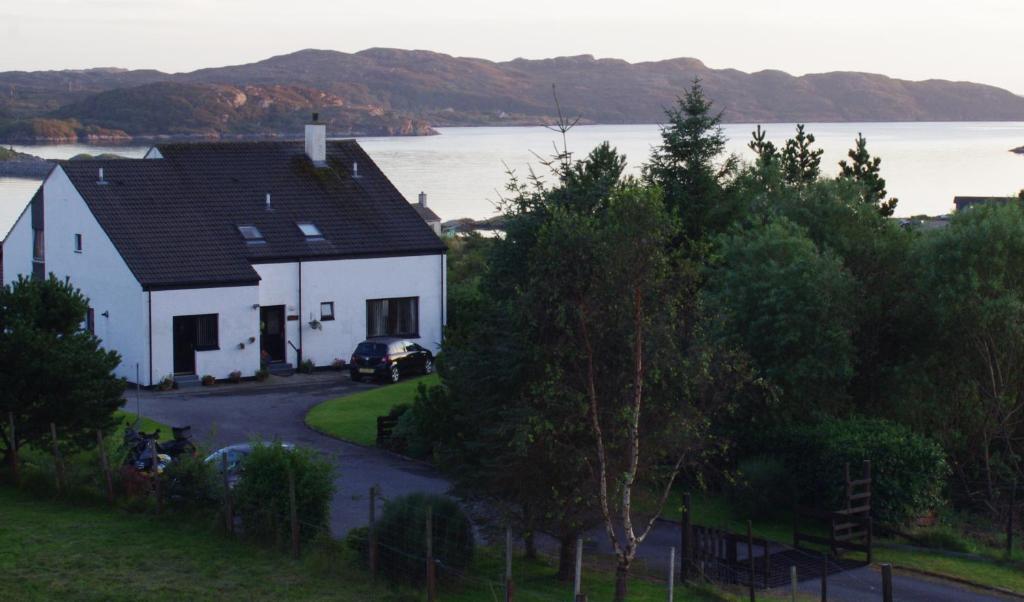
[577,588]
[431,575]
[671,573]
[294,513]
[509,585]
[793,581]
[14,449]
[686,545]
[58,463]
[229,514]
[154,465]
[767,563]
[1009,521]
[824,579]
[886,582]
[105,466]
[371,539]
[750,556]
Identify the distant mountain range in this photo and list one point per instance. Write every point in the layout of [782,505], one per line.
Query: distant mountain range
[403,92]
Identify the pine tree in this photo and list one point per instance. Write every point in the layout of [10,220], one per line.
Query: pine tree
[801,164]
[766,151]
[865,169]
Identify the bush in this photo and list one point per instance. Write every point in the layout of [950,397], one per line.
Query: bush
[763,488]
[166,383]
[261,496]
[209,380]
[192,484]
[908,470]
[235,377]
[401,537]
[307,366]
[262,374]
[338,364]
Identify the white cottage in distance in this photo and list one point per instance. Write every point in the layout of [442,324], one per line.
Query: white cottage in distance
[207,258]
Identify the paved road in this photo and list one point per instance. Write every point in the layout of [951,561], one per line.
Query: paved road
[276,409]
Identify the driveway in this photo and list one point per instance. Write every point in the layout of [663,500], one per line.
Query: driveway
[229,414]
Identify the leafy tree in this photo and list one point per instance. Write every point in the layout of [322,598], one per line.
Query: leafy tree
[866,170]
[801,164]
[53,370]
[971,383]
[788,304]
[690,165]
[614,290]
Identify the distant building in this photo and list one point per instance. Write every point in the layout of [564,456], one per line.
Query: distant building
[966,202]
[432,219]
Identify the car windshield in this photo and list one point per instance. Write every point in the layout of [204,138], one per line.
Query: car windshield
[371,349]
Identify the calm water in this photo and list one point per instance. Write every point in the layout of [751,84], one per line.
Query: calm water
[463,169]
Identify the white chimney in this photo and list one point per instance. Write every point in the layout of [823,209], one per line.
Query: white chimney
[316,141]
[423,199]
[355,169]
[268,201]
[101,180]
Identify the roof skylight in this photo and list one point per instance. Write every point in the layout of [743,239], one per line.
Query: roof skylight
[309,230]
[251,234]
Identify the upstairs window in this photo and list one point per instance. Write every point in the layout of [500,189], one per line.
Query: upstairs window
[78,243]
[326,311]
[251,234]
[398,317]
[310,231]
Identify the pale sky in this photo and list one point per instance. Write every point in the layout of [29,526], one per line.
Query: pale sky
[975,40]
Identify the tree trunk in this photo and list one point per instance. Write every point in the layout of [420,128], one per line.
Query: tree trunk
[530,543]
[567,557]
[621,581]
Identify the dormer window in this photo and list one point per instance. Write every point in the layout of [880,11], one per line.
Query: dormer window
[251,234]
[310,231]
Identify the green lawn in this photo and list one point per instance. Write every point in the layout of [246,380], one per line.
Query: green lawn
[354,418]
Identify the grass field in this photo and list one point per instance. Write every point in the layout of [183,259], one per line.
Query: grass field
[354,418]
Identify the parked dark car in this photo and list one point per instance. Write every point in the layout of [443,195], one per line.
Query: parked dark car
[389,359]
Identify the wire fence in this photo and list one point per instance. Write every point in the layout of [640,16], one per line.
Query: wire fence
[427,544]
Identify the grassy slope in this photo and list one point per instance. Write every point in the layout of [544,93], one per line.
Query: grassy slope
[354,418]
[50,550]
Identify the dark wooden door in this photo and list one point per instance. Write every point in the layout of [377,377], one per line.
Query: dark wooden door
[272,338]
[184,344]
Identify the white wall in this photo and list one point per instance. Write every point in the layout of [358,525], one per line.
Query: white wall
[237,322]
[349,283]
[98,271]
[18,248]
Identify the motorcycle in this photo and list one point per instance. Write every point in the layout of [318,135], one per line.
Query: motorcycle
[140,447]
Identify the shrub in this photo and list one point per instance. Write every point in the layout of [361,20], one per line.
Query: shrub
[261,496]
[338,364]
[763,488]
[402,543]
[307,366]
[192,484]
[209,380]
[262,374]
[908,469]
[235,377]
[166,383]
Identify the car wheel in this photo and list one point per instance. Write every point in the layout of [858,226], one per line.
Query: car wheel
[394,373]
[428,366]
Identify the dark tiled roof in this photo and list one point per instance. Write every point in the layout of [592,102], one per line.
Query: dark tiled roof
[426,213]
[967,201]
[175,220]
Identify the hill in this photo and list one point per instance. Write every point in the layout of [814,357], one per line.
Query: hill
[404,92]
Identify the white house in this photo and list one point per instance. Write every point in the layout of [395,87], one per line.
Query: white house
[208,258]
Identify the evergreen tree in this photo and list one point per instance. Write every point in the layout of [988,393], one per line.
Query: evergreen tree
[865,169]
[689,165]
[800,163]
[766,151]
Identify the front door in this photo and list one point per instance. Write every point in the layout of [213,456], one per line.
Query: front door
[272,339]
[184,344]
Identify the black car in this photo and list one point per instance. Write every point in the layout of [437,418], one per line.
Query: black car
[390,359]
